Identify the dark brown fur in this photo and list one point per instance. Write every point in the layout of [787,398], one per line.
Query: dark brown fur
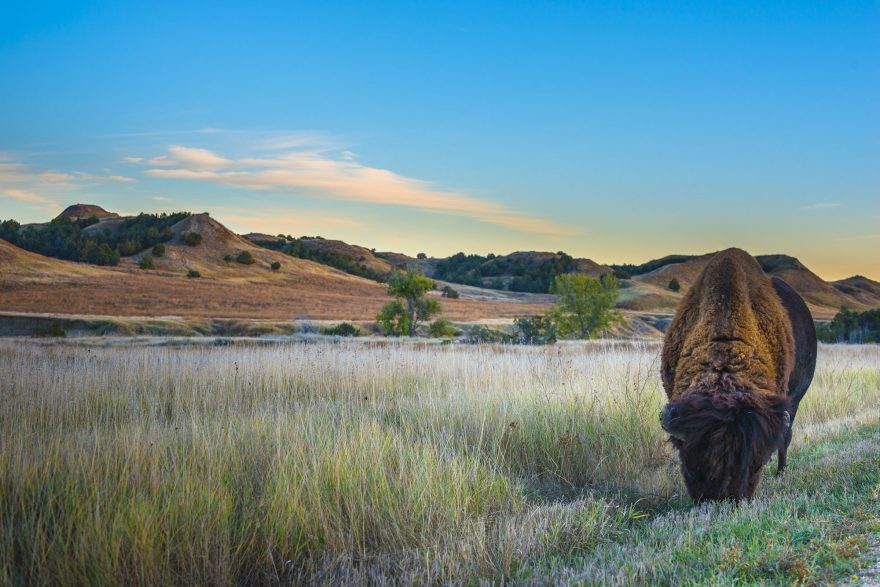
[729,368]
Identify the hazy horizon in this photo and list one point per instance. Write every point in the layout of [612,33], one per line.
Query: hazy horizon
[620,134]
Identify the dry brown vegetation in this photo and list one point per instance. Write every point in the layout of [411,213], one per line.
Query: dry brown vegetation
[299,290]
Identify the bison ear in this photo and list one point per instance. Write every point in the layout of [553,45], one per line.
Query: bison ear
[670,421]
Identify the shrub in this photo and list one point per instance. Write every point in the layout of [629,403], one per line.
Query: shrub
[536,330]
[245,258]
[441,328]
[193,273]
[450,293]
[147,262]
[275,265]
[674,285]
[483,334]
[193,239]
[227,258]
[159,250]
[342,329]
[421,256]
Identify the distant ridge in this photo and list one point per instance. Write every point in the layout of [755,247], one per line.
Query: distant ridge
[312,276]
[83,211]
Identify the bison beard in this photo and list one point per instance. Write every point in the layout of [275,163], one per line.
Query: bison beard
[737,359]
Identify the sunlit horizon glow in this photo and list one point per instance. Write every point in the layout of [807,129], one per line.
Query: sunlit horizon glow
[616,133]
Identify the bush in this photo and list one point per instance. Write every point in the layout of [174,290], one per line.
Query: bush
[342,329]
[55,329]
[193,273]
[193,239]
[159,250]
[147,262]
[674,285]
[441,328]
[227,258]
[536,330]
[275,265]
[245,258]
[421,256]
[450,293]
[482,334]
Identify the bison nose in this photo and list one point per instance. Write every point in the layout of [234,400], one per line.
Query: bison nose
[668,413]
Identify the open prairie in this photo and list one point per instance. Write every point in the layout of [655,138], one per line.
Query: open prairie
[404,462]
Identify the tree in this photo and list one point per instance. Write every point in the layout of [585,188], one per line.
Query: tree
[159,250]
[536,330]
[245,258]
[674,285]
[410,306]
[421,256]
[193,239]
[275,265]
[193,274]
[585,306]
[146,262]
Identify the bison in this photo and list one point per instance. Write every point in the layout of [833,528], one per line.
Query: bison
[737,359]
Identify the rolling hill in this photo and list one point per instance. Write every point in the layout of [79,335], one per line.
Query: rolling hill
[310,288]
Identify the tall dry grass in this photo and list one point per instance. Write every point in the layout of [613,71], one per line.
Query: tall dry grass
[336,462]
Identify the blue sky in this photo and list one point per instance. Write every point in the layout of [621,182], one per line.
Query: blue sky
[619,131]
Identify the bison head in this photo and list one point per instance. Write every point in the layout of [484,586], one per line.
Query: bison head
[725,439]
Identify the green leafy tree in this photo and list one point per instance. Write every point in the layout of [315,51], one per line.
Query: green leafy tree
[193,274]
[193,239]
[674,285]
[402,316]
[275,265]
[536,330]
[245,258]
[392,319]
[147,262]
[585,306]
[159,250]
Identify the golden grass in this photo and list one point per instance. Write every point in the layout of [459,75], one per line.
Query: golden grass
[341,462]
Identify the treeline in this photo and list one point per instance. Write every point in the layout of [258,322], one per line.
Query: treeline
[297,247]
[628,270]
[850,326]
[512,273]
[67,239]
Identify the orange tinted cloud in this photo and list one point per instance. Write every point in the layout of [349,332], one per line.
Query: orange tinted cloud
[316,173]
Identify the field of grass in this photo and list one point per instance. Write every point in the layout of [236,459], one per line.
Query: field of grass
[405,462]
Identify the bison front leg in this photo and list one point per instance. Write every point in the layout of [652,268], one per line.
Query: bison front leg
[783,450]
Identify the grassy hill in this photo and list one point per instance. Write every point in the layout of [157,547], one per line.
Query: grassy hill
[325,279]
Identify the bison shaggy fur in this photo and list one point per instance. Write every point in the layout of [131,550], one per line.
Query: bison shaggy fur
[737,359]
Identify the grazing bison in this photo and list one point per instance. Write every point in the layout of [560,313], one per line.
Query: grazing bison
[737,359]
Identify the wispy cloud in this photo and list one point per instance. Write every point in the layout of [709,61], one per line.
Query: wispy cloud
[329,174]
[24,195]
[823,206]
[26,183]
